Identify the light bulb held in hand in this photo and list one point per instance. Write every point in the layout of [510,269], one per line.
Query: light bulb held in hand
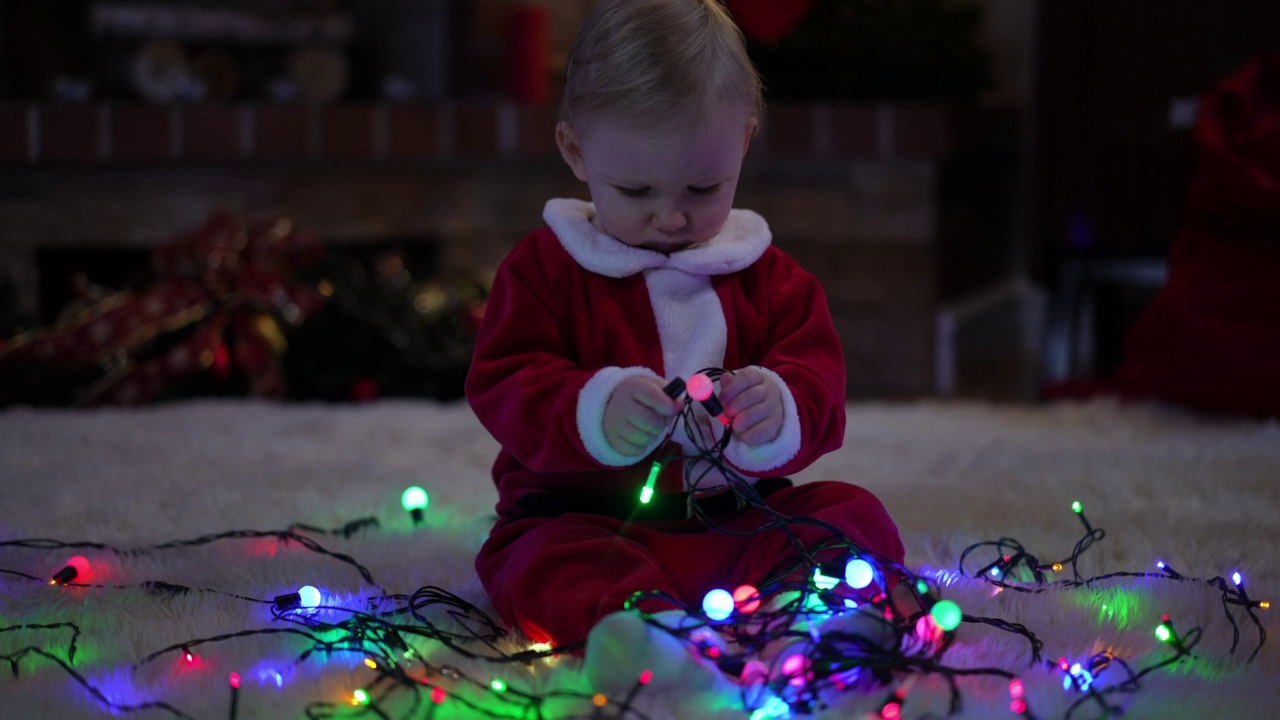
[702,389]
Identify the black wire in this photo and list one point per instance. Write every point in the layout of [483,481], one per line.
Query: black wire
[286,535]
[834,656]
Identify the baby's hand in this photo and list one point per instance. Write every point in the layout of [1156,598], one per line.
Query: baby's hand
[753,403]
[637,412]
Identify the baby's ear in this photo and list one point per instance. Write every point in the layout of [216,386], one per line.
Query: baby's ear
[753,129]
[570,149]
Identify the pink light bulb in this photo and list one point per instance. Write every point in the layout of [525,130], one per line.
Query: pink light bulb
[77,567]
[699,387]
[794,665]
[754,672]
[928,630]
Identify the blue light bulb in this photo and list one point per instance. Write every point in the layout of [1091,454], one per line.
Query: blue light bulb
[718,604]
[859,573]
[309,596]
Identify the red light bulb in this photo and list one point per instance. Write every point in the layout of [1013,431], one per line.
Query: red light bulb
[76,567]
[701,388]
[235,695]
[746,599]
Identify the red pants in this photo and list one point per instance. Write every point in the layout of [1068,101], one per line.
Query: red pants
[553,578]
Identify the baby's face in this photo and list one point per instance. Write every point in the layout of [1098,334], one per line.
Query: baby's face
[661,193]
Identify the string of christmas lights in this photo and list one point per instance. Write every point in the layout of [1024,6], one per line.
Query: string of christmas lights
[810,631]
[1028,568]
[802,597]
[387,646]
[917,639]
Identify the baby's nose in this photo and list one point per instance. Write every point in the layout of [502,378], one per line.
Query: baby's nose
[670,219]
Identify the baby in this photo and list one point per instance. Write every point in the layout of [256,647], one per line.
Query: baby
[590,318]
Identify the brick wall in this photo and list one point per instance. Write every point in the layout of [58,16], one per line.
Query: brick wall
[850,191]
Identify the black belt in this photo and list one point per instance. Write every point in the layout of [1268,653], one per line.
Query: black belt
[662,507]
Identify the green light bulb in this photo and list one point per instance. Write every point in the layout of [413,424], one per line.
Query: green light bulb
[775,707]
[947,614]
[812,604]
[922,587]
[498,685]
[646,493]
[1076,507]
[1162,632]
[360,697]
[414,498]
[823,581]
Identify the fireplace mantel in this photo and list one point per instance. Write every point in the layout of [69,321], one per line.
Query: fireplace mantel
[111,134]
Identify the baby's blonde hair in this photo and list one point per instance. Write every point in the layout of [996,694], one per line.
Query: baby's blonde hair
[658,65]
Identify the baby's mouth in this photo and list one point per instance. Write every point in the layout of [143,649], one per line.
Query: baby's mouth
[668,246]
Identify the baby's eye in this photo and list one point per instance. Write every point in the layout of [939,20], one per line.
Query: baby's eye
[704,190]
[632,192]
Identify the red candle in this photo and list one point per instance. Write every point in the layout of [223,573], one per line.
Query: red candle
[528,81]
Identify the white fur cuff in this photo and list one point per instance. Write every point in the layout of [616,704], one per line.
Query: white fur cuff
[591,403]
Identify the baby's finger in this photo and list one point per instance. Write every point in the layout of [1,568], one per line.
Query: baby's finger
[749,398]
[646,419]
[652,398]
[630,448]
[636,437]
[756,428]
[745,419]
[731,386]
[623,439]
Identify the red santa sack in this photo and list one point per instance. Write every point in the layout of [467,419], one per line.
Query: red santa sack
[1211,338]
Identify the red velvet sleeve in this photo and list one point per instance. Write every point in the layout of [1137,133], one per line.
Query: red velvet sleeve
[524,382]
[801,347]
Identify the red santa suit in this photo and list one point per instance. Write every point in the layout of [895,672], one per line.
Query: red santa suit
[572,313]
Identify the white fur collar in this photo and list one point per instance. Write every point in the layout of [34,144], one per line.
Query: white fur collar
[743,239]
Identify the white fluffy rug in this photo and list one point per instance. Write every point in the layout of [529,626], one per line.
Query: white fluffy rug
[1202,494]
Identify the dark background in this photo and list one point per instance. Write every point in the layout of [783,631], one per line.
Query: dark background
[1067,145]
